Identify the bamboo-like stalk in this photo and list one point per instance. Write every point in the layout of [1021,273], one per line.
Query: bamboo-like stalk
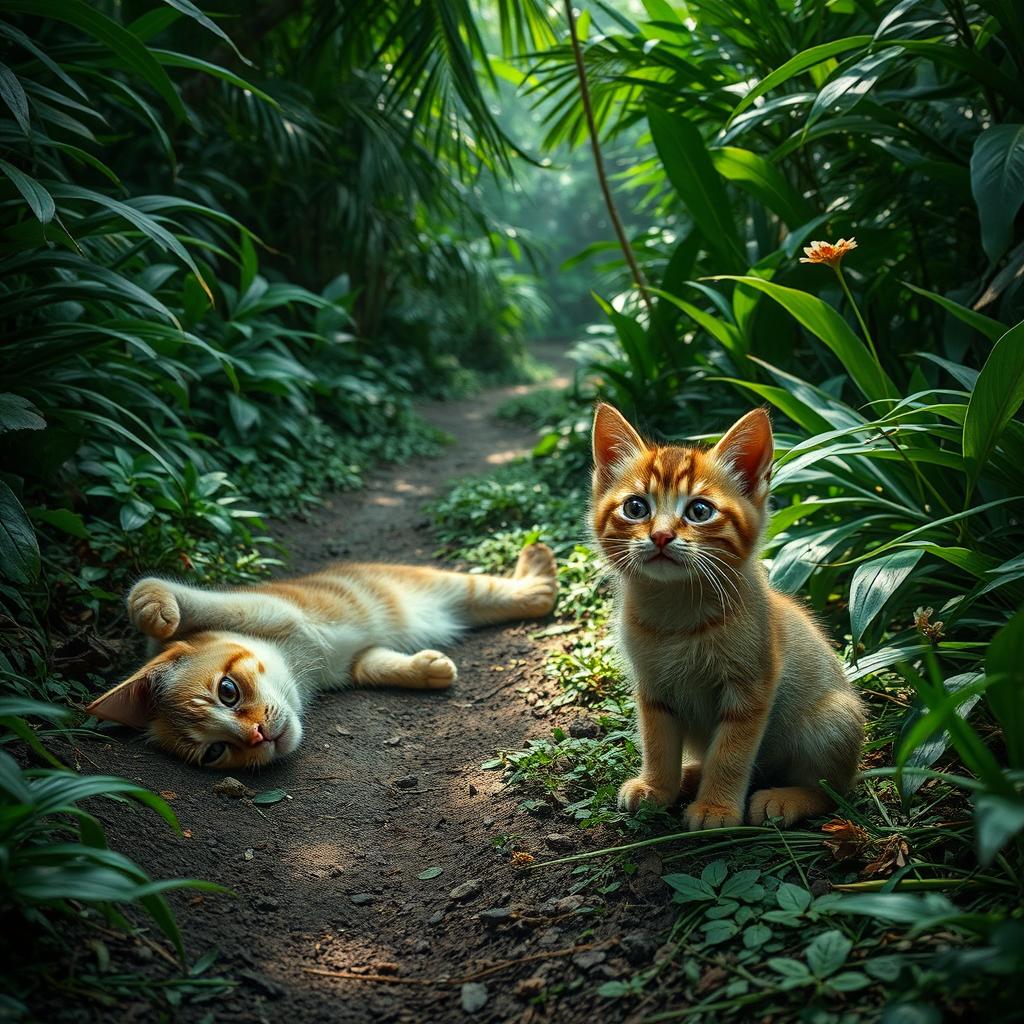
[595,145]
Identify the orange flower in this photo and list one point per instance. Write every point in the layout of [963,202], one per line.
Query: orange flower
[826,252]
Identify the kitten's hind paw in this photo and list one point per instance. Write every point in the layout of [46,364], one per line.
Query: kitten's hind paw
[536,560]
[432,670]
[634,792]
[790,803]
[153,609]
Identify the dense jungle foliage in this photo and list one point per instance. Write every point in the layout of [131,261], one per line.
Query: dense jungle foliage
[235,244]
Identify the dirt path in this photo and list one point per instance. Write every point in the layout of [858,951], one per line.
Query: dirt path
[328,879]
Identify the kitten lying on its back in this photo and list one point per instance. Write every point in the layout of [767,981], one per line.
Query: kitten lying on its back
[238,667]
[731,677]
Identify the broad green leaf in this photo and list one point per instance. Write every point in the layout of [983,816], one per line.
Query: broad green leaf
[827,325]
[714,873]
[874,583]
[18,413]
[63,519]
[793,898]
[809,58]
[992,329]
[688,166]
[997,183]
[170,59]
[40,201]
[765,182]
[429,873]
[19,550]
[719,931]
[997,819]
[997,396]
[1005,663]
[828,952]
[687,888]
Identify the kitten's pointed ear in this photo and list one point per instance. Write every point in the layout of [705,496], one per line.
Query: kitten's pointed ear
[613,437]
[747,450]
[131,702]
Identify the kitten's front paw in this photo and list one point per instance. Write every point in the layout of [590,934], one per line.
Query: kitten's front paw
[700,815]
[153,609]
[634,791]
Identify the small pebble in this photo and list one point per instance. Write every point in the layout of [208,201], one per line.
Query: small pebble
[361,898]
[467,889]
[474,996]
[407,782]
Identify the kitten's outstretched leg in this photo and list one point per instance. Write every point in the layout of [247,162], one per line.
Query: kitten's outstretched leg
[425,670]
[530,593]
[164,609]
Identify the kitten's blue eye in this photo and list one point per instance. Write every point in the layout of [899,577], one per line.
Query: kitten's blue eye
[636,508]
[228,692]
[213,753]
[699,511]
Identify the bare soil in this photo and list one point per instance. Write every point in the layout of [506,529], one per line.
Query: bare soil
[386,785]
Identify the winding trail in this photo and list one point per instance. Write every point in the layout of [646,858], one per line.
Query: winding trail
[327,880]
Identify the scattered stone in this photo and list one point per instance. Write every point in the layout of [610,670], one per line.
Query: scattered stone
[267,903]
[584,728]
[248,855]
[559,842]
[474,996]
[473,790]
[589,959]
[407,782]
[467,890]
[335,871]
[230,786]
[393,741]
[530,987]
[342,731]
[488,822]
[638,946]
[569,904]
[436,918]
[360,899]
[495,915]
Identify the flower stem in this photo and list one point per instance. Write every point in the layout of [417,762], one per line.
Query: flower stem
[856,311]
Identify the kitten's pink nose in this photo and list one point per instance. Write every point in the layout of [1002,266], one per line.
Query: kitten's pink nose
[257,735]
[663,537]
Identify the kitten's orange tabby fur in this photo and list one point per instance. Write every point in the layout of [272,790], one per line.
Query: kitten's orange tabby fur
[734,681]
[237,667]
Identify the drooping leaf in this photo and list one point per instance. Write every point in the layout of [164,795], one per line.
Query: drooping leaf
[693,175]
[997,183]
[874,583]
[998,394]
[19,550]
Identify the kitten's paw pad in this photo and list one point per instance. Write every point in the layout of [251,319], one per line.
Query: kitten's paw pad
[691,781]
[634,792]
[701,815]
[153,609]
[790,803]
[434,670]
[536,560]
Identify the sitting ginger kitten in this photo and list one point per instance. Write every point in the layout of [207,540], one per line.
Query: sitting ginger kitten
[733,680]
[239,666]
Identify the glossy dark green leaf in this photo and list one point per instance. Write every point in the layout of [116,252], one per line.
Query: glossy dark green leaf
[997,183]
[874,583]
[19,550]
